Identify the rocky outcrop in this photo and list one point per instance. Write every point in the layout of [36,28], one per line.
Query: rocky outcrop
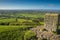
[46,32]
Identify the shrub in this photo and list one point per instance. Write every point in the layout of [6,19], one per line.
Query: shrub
[29,35]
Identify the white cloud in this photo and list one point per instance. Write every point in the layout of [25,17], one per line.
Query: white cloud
[52,5]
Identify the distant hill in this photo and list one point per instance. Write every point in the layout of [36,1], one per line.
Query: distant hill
[5,11]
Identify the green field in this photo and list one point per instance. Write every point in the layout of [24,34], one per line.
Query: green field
[17,26]
[14,32]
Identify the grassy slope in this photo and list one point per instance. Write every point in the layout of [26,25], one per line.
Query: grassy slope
[16,31]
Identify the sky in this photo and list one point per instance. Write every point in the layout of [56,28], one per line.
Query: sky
[30,4]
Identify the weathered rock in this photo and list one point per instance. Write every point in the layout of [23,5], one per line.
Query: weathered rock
[51,22]
[50,25]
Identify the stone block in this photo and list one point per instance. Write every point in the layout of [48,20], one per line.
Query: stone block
[51,22]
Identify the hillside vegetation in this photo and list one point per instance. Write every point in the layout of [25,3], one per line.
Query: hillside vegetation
[17,25]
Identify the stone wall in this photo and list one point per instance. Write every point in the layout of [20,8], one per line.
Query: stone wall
[51,22]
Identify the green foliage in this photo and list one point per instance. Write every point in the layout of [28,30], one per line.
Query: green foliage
[58,27]
[54,32]
[13,32]
[16,26]
[29,35]
[7,20]
[42,23]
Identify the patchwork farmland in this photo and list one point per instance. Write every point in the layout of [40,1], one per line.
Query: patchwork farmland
[17,25]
